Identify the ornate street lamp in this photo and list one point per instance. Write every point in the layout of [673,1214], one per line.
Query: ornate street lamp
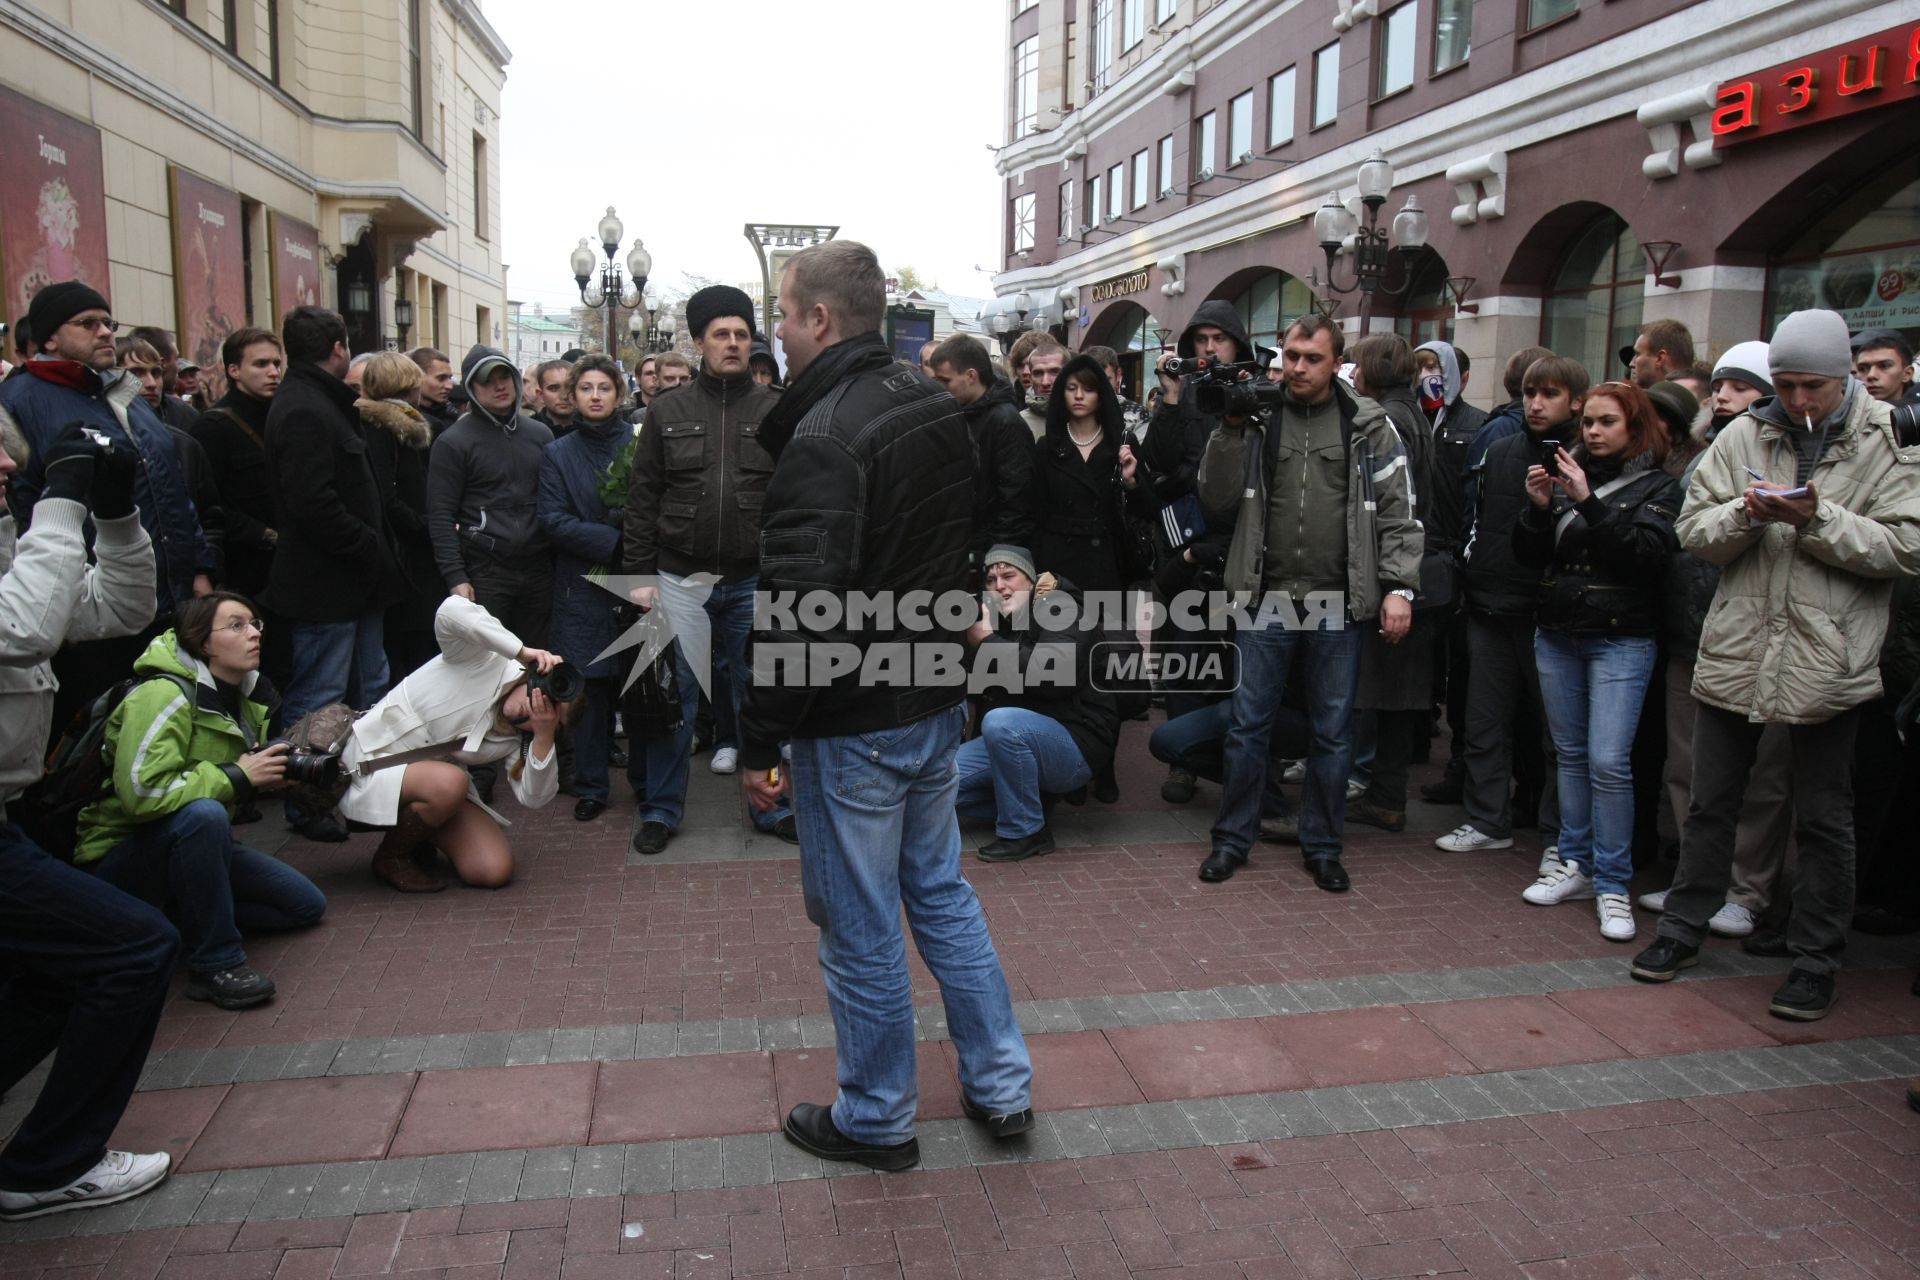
[1373,248]
[608,288]
[402,318]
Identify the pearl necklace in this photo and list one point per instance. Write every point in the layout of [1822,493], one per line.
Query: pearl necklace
[1092,440]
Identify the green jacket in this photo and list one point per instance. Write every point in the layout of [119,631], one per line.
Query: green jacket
[163,754]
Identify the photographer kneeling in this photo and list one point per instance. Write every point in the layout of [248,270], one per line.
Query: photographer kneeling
[477,703]
[1047,736]
[186,747]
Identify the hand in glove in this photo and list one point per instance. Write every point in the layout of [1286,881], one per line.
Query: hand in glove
[114,473]
[68,464]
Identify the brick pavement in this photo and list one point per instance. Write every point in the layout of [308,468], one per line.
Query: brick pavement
[580,1076]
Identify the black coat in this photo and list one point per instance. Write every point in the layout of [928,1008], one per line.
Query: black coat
[1003,471]
[233,431]
[398,437]
[1605,574]
[1080,508]
[1176,435]
[205,493]
[1498,585]
[335,559]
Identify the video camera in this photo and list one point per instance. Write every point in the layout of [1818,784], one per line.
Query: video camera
[1230,390]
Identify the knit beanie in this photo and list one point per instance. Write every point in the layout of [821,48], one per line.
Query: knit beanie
[714,301]
[1676,406]
[1746,362]
[1810,342]
[58,303]
[1015,557]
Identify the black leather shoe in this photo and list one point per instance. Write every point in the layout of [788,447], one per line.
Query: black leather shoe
[588,810]
[1221,864]
[1178,788]
[1018,850]
[810,1127]
[787,829]
[1106,789]
[1449,789]
[1663,961]
[1765,941]
[240,987]
[1804,997]
[325,829]
[1000,1124]
[1329,874]
[652,837]
[617,758]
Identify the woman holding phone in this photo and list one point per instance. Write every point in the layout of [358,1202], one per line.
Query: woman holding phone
[1599,526]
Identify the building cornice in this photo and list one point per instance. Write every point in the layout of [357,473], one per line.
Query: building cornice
[1724,38]
[467,14]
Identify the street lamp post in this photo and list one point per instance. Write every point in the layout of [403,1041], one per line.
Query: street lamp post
[608,288]
[1373,248]
[779,236]
[402,319]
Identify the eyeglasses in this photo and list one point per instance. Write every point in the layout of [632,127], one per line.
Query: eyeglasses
[100,325]
[244,624]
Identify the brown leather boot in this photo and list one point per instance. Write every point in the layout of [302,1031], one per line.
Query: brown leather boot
[395,865]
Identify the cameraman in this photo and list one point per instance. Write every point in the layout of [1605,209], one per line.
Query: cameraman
[475,704]
[185,748]
[83,967]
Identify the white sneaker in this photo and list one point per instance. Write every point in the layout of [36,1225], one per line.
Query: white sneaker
[1616,917]
[1296,772]
[1549,859]
[725,760]
[1731,921]
[1355,789]
[1466,838]
[1654,902]
[120,1175]
[1564,882]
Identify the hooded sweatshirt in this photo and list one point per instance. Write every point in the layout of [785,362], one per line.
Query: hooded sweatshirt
[483,481]
[1455,423]
[1177,434]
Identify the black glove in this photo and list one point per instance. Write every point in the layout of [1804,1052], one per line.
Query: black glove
[67,464]
[1208,554]
[114,473]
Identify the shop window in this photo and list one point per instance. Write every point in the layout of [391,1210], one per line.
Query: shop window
[1861,257]
[1203,140]
[1452,32]
[1022,238]
[1142,178]
[1541,12]
[1326,84]
[1271,303]
[1280,108]
[1594,306]
[1393,57]
[1240,129]
[1026,86]
[1165,149]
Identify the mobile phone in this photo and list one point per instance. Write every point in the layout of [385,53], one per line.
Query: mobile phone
[1801,492]
[1550,456]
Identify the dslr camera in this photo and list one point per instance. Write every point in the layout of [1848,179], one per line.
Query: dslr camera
[562,684]
[312,768]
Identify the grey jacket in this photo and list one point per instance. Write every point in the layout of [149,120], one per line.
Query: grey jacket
[483,488]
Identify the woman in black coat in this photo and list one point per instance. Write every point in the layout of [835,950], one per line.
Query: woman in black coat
[1084,474]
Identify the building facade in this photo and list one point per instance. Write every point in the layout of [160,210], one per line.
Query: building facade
[212,163]
[534,336]
[1585,166]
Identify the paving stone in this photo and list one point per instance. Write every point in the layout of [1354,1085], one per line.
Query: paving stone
[1344,1110]
[356,1058]
[1169,1126]
[1258,1121]
[1095,1012]
[648,1167]
[739,1035]
[400,1054]
[816,1031]
[488,1049]
[1131,1010]
[528,1048]
[598,1171]
[338,1188]
[1040,1017]
[943,1145]
[1314,996]
[1300,1112]
[495,1177]
[1079,1133]
[777,1034]
[746,1159]
[391,1185]
[1385,1106]
[654,1040]
[263,1062]
[546,1174]
[285,1193]
[791,1164]
[697,1164]
[1125,1129]
[1245,1002]
[443,1052]
[309,1060]
[443,1181]
[1169,1006]
[571,1044]
[613,1044]
[1427,1106]
[173,1070]
[1213,1120]
[231,1195]
[219,1066]
[109,1219]
[1465,1096]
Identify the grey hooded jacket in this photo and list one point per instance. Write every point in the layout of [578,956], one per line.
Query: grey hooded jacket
[483,483]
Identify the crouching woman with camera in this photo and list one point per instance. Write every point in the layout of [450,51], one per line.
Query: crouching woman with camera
[487,698]
[185,747]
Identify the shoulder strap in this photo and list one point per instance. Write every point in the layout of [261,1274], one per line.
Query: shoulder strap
[1610,487]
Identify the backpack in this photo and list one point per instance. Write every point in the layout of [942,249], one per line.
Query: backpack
[76,774]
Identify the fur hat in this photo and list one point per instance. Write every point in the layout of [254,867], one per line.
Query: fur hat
[714,301]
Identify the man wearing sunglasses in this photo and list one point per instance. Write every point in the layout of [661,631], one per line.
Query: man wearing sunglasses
[69,379]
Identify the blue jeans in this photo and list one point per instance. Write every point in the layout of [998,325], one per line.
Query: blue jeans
[723,627]
[188,865]
[877,831]
[1196,740]
[83,973]
[1332,669]
[1019,755]
[1593,687]
[593,743]
[334,662]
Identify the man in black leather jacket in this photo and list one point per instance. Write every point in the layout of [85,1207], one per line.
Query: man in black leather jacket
[872,492]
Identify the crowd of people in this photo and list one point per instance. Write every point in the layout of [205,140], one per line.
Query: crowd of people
[374,583]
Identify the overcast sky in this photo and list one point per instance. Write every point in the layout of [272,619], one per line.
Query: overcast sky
[875,115]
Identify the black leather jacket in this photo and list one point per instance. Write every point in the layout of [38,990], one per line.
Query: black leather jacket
[1605,574]
[699,476]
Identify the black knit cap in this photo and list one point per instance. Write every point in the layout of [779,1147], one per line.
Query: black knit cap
[714,301]
[58,303]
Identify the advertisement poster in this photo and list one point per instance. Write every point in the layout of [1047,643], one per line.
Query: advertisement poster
[296,264]
[209,273]
[1872,289]
[53,205]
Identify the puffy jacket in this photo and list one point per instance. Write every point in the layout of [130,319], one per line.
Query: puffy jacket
[164,749]
[233,431]
[1795,631]
[483,477]
[586,540]
[46,395]
[1088,713]
[1455,424]
[1177,434]
[1498,584]
[1003,471]
[1603,560]
[699,479]
[50,596]
[1384,540]
[872,492]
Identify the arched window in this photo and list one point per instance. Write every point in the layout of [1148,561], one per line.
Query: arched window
[1426,313]
[1594,306]
[1860,257]
[1271,302]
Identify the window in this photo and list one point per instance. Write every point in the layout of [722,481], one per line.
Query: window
[1240,129]
[1203,147]
[480,187]
[1326,84]
[1021,6]
[1026,86]
[1452,32]
[1142,178]
[1271,303]
[1165,147]
[1102,44]
[1594,306]
[1541,12]
[1280,108]
[1133,23]
[416,67]
[1094,203]
[1068,228]
[1163,10]
[1022,237]
[1394,58]
[1116,191]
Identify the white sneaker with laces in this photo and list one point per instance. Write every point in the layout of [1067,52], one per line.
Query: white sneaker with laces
[1467,838]
[1296,772]
[725,760]
[1616,917]
[1654,902]
[120,1175]
[1564,882]
[1549,859]
[1731,921]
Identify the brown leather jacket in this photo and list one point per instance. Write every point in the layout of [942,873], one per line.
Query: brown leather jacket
[699,480]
